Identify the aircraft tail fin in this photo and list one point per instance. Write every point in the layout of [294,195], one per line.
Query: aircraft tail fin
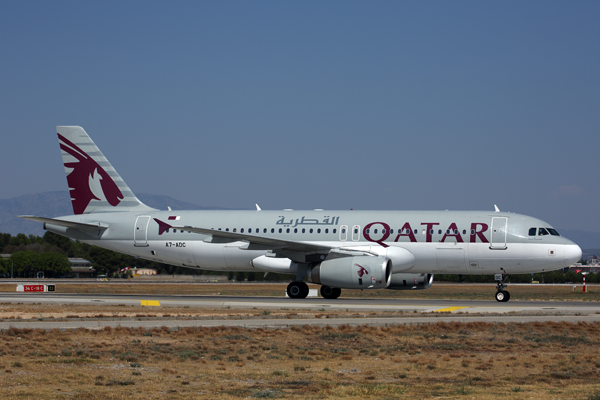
[94,185]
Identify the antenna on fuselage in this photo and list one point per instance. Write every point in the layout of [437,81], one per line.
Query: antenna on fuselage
[257,207]
[496,208]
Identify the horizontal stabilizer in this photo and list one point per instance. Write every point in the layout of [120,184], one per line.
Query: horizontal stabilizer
[68,224]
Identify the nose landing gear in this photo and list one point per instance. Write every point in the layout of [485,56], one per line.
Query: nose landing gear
[501,294]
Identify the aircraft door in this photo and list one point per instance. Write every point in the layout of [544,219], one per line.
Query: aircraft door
[498,235]
[343,233]
[140,231]
[355,233]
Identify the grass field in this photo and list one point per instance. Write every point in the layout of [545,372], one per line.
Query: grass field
[473,360]
[437,291]
[450,361]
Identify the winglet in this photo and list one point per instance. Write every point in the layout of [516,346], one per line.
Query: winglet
[162,226]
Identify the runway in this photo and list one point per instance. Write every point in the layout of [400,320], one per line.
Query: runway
[362,304]
[389,311]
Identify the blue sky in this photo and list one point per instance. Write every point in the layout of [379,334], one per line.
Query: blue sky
[335,104]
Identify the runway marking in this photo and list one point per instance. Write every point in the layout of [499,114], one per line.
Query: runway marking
[449,309]
[150,303]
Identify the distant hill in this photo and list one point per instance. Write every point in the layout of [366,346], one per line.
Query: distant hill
[55,204]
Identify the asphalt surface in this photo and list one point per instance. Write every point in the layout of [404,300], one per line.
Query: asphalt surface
[398,311]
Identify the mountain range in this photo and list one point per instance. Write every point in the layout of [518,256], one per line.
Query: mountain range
[58,203]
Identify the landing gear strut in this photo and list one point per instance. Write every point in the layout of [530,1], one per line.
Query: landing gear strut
[297,290]
[501,294]
[329,292]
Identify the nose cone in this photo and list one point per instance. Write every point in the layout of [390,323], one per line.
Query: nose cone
[572,253]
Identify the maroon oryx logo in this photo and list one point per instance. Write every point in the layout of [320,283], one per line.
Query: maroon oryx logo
[361,271]
[85,171]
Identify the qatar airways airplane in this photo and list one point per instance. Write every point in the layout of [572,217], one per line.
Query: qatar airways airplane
[399,250]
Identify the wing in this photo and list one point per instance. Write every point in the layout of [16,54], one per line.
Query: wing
[255,241]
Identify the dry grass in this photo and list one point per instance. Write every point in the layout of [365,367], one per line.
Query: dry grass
[473,360]
[46,311]
[437,291]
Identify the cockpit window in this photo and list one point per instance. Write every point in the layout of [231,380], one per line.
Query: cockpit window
[532,231]
[542,232]
[553,232]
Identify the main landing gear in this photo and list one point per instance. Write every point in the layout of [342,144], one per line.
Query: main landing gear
[299,290]
[329,292]
[501,294]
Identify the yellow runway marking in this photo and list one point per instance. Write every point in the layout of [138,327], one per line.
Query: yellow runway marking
[449,309]
[150,302]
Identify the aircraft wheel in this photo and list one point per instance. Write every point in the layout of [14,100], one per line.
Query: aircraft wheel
[330,293]
[305,290]
[506,296]
[501,296]
[297,290]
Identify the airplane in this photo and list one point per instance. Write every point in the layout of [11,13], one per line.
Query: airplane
[397,250]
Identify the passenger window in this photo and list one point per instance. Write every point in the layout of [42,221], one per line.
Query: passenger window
[355,231]
[391,231]
[472,231]
[439,231]
[242,230]
[318,230]
[416,231]
[303,230]
[280,230]
[532,231]
[272,230]
[542,232]
[431,231]
[334,231]
[375,231]
[288,230]
[295,230]
[456,231]
[464,231]
[265,230]
[167,231]
[326,230]
[311,230]
[344,230]
[382,231]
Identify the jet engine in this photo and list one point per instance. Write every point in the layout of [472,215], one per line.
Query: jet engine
[410,281]
[358,272]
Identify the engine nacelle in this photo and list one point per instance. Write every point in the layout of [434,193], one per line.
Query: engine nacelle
[411,281]
[402,259]
[360,272]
